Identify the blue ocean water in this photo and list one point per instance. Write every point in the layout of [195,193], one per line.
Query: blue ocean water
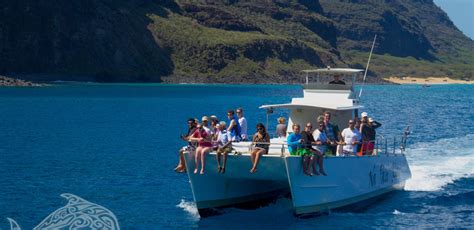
[116,145]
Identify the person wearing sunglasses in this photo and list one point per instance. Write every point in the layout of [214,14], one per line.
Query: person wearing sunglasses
[242,123]
[261,141]
[191,147]
[203,138]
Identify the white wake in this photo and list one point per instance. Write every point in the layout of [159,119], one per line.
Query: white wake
[436,164]
[189,207]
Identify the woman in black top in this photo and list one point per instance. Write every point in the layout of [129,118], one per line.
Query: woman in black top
[260,140]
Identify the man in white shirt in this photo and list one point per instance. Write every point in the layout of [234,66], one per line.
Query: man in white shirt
[351,137]
[242,123]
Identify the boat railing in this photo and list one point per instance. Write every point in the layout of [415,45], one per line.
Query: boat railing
[381,146]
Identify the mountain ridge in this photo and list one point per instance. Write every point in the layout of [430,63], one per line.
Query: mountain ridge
[230,41]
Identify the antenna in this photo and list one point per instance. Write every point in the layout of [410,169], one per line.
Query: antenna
[367,67]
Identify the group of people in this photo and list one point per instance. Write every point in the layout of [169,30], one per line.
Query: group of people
[202,138]
[311,144]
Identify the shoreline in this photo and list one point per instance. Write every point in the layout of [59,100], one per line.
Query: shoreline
[427,80]
[14,82]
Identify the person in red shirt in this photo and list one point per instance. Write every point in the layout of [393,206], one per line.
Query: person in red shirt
[204,146]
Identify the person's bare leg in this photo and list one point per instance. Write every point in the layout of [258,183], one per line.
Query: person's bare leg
[306,165]
[321,166]
[304,162]
[196,159]
[225,162]
[257,159]
[181,161]
[252,158]
[218,157]
[204,151]
[314,160]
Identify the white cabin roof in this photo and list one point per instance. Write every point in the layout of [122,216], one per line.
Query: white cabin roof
[323,106]
[334,70]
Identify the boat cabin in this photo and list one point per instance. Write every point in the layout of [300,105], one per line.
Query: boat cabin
[320,96]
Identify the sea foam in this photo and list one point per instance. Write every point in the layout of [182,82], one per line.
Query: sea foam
[436,164]
[190,208]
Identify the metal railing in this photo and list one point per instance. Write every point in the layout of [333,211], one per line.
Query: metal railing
[381,146]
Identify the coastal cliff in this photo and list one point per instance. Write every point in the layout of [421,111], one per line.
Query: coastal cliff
[227,41]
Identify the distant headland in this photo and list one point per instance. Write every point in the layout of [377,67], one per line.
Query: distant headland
[8,81]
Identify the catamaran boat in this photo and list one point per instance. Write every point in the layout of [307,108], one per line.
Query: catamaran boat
[350,179]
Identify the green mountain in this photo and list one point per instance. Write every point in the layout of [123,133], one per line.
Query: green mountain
[226,41]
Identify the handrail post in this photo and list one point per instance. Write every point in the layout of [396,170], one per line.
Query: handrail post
[394,144]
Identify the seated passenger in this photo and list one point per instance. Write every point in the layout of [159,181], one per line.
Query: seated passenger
[214,123]
[224,146]
[214,131]
[351,138]
[281,127]
[191,147]
[204,146]
[294,140]
[321,145]
[308,153]
[261,141]
[337,80]
[205,125]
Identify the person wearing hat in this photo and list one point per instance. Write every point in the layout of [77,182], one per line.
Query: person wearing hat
[368,135]
[373,124]
[224,146]
[205,125]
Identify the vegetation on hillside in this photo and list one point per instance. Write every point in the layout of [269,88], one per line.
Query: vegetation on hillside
[227,41]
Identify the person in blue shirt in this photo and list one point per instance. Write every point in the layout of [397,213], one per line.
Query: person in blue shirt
[294,140]
[234,126]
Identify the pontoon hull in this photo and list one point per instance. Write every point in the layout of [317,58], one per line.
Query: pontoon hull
[237,185]
[350,180]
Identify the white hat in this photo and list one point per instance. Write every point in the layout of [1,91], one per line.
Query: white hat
[214,117]
[363,114]
[205,118]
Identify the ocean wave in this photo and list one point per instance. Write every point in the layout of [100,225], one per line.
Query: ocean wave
[436,164]
[464,198]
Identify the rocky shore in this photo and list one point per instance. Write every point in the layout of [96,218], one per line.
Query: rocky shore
[8,81]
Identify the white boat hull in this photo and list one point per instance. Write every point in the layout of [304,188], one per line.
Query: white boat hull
[237,185]
[350,180]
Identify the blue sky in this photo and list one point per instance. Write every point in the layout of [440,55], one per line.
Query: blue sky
[461,12]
